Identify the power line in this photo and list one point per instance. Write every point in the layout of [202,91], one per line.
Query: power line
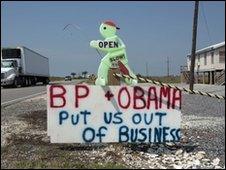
[76,27]
[207,28]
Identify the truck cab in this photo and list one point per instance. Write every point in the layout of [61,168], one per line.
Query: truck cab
[10,66]
[9,70]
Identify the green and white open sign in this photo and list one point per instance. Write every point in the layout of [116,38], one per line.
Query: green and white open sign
[94,114]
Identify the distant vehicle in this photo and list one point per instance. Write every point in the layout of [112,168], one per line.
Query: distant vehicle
[21,66]
[67,78]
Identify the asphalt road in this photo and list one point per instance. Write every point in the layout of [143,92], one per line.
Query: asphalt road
[11,95]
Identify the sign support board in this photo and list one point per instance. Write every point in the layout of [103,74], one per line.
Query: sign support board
[101,114]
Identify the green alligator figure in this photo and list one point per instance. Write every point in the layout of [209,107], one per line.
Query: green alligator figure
[116,55]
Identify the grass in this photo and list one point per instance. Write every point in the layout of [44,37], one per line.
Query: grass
[58,164]
[107,166]
[165,79]
[56,78]
[50,156]
[62,78]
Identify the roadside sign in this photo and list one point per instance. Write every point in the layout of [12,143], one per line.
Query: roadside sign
[100,114]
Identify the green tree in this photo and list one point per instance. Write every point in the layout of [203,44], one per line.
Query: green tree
[73,75]
[84,73]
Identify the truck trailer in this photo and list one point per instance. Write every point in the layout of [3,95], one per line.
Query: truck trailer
[21,66]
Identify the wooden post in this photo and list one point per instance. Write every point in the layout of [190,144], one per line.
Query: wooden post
[195,21]
[209,77]
[212,77]
[181,75]
[112,80]
[167,61]
[203,78]
[196,77]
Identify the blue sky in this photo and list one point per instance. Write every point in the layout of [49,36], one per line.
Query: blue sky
[151,31]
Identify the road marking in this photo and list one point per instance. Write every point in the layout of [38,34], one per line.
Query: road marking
[22,98]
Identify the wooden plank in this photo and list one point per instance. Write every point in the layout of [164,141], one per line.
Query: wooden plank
[112,80]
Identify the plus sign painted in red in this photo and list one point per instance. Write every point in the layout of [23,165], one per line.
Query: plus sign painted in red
[109,95]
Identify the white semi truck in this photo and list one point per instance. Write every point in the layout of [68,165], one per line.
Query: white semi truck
[21,66]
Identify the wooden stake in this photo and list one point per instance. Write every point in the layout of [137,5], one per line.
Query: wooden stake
[195,21]
[113,80]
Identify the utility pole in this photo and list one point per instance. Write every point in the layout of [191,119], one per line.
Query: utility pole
[194,33]
[167,66]
[147,69]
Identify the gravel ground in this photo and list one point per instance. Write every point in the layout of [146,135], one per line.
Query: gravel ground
[24,142]
[215,89]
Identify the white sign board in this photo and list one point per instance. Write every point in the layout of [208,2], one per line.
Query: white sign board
[93,114]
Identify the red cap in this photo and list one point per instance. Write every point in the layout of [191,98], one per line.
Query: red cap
[111,23]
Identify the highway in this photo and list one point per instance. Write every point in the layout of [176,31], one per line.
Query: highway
[11,95]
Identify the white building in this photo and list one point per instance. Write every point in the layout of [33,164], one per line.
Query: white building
[210,61]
